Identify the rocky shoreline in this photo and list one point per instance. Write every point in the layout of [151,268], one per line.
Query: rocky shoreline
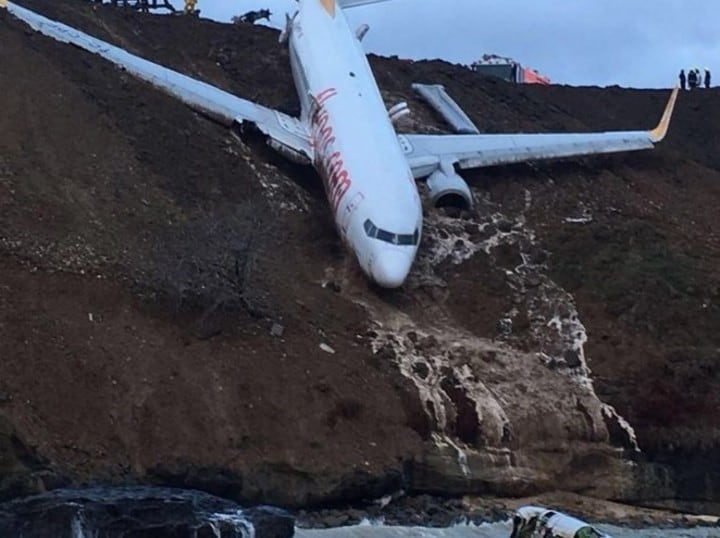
[430,511]
[160,512]
[139,511]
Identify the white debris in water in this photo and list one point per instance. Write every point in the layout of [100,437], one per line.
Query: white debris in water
[327,349]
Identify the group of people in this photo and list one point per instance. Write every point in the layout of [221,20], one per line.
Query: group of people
[694,78]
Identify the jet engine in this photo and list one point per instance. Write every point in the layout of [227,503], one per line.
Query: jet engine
[448,189]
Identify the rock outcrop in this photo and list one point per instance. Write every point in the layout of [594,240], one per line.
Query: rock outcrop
[139,511]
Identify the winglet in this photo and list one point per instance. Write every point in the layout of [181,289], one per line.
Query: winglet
[659,132]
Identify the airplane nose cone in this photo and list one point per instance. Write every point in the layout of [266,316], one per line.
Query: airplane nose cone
[391,268]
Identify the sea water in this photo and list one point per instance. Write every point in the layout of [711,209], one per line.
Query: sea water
[490,530]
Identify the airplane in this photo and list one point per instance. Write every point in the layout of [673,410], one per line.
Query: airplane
[539,522]
[344,130]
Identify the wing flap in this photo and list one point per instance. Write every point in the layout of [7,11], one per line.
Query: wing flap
[472,151]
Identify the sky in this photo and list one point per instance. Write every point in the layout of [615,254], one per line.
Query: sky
[632,43]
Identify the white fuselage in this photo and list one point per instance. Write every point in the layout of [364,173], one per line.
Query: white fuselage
[367,180]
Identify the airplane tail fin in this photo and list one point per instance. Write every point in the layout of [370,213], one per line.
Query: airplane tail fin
[345,4]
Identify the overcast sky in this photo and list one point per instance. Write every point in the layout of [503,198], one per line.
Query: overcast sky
[638,43]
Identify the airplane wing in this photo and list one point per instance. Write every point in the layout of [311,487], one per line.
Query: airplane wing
[345,4]
[285,133]
[426,153]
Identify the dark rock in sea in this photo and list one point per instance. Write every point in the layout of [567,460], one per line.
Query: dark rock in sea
[139,512]
[270,522]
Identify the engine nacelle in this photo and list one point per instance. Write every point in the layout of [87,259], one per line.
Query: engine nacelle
[448,189]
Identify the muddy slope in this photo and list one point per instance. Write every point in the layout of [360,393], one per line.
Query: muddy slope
[146,256]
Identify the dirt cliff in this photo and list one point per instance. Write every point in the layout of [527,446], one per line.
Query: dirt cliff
[165,290]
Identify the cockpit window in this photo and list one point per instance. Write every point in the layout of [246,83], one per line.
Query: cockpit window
[388,237]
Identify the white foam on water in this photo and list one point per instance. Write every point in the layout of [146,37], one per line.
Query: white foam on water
[78,527]
[236,519]
[490,530]
[486,530]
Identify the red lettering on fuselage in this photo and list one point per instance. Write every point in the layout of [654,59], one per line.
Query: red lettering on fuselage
[328,160]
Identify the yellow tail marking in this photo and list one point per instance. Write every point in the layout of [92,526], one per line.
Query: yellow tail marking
[3,3]
[659,132]
[329,6]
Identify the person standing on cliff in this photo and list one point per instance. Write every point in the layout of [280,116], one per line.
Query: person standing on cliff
[681,76]
[707,78]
